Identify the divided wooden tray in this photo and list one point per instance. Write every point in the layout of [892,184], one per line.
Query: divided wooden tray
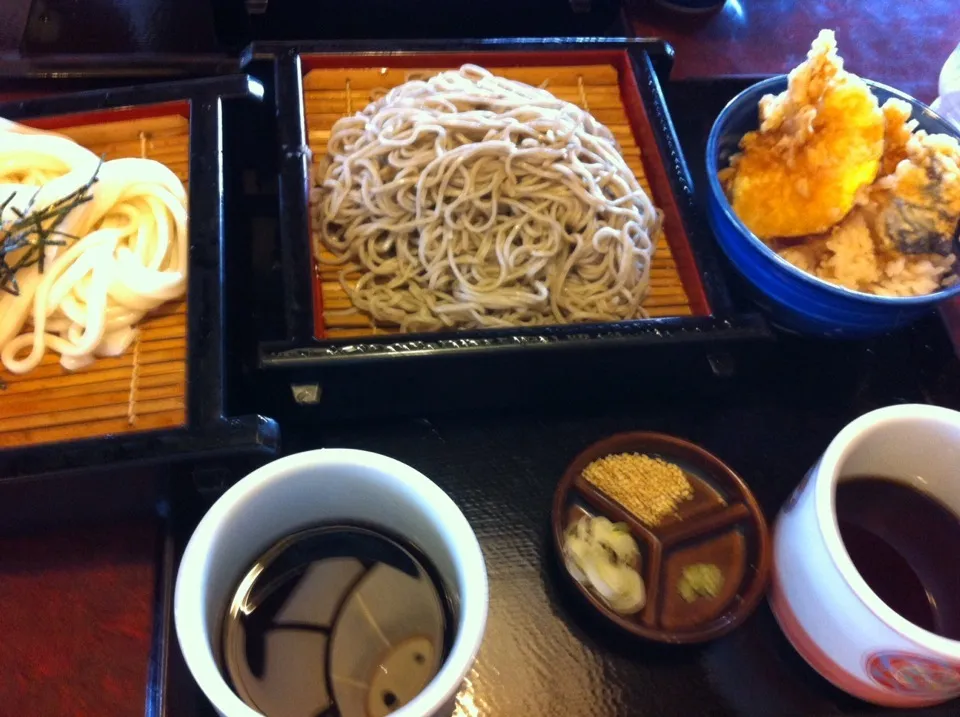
[722,524]
[145,388]
[330,93]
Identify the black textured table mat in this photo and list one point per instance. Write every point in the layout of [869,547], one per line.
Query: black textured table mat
[544,654]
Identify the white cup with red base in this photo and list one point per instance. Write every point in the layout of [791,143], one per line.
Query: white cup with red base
[827,610]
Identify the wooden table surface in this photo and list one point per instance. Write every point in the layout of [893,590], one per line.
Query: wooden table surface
[76,610]
[76,618]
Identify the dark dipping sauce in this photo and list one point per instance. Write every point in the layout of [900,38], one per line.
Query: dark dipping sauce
[903,543]
[341,620]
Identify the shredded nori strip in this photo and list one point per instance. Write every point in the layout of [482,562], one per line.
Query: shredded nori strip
[35,230]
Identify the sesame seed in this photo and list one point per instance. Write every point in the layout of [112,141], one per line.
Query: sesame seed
[649,488]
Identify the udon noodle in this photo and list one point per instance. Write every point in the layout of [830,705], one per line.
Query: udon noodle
[124,252]
[469,200]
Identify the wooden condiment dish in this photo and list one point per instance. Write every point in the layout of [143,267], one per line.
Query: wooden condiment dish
[722,524]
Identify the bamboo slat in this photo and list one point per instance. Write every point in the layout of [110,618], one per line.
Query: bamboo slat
[330,94]
[145,388]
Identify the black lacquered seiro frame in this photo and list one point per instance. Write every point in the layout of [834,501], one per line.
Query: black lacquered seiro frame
[208,432]
[301,349]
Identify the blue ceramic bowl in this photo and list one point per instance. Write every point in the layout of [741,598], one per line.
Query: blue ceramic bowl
[797,301]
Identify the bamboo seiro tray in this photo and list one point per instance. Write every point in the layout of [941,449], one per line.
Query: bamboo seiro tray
[617,80]
[331,93]
[145,388]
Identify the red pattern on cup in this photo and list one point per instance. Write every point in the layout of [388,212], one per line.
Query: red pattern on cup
[914,675]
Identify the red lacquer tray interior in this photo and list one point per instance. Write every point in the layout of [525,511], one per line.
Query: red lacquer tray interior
[601,81]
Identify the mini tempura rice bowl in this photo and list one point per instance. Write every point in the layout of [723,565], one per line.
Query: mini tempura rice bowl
[795,300]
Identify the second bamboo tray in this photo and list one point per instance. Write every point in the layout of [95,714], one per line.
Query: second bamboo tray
[145,388]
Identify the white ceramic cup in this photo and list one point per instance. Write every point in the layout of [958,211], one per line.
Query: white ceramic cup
[324,486]
[826,609]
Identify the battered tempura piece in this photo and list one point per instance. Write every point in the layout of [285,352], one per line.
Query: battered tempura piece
[897,130]
[818,144]
[916,209]
[845,190]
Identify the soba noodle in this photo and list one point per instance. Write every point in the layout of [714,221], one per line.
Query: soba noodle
[129,254]
[469,200]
